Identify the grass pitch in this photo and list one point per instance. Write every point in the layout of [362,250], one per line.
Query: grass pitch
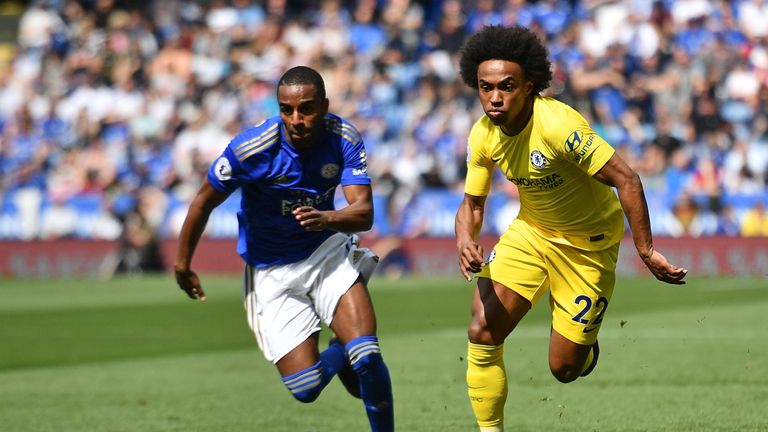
[135,354]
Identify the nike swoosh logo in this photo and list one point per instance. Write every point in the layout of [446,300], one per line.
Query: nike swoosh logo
[586,330]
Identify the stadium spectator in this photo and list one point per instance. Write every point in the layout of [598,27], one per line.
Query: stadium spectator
[688,219]
[139,250]
[25,153]
[367,36]
[755,221]
[753,15]
[728,222]
[39,25]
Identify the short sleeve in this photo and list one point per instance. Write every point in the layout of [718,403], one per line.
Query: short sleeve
[226,173]
[581,145]
[355,169]
[479,165]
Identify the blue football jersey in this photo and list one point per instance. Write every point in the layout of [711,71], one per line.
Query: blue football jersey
[275,179]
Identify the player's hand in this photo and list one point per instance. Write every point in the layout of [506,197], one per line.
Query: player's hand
[470,258]
[190,284]
[663,270]
[311,219]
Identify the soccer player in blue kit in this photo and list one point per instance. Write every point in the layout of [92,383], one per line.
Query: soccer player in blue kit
[302,264]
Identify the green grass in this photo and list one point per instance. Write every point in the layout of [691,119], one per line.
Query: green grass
[134,354]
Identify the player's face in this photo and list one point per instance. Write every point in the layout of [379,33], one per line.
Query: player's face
[302,112]
[504,93]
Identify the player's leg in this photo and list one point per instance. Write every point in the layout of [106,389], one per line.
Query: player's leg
[286,327]
[511,282]
[306,372]
[496,310]
[569,360]
[354,323]
[342,301]
[582,286]
[346,374]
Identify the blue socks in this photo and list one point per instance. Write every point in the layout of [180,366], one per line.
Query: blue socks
[306,385]
[375,385]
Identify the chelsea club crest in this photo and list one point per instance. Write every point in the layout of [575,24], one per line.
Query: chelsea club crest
[537,159]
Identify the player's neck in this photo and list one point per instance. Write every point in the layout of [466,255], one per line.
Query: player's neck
[520,121]
[301,149]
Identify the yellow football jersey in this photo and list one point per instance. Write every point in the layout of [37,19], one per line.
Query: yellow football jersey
[551,162]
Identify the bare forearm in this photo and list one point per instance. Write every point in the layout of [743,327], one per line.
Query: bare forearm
[469,221]
[618,174]
[194,225]
[205,201]
[191,232]
[356,217]
[633,202]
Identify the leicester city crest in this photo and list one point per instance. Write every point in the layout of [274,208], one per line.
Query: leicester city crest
[537,159]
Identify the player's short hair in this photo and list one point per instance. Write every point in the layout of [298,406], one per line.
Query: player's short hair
[303,75]
[517,44]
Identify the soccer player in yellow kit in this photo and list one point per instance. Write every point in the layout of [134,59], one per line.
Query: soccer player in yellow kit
[566,236]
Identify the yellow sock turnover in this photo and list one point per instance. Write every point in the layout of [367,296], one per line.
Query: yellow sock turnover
[588,362]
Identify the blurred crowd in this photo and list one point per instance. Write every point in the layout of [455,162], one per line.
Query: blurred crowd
[115,109]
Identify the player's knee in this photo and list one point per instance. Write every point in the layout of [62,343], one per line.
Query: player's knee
[478,333]
[307,396]
[565,373]
[305,386]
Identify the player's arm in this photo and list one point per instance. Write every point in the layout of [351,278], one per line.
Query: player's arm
[205,201]
[618,174]
[356,217]
[469,220]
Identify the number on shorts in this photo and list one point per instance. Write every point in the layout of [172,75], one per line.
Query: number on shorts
[601,304]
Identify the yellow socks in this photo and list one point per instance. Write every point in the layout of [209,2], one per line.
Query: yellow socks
[487,384]
[499,428]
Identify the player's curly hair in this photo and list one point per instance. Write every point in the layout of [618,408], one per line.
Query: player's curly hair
[516,44]
[303,75]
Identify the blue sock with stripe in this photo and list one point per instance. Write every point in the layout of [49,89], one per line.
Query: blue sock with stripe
[375,385]
[307,384]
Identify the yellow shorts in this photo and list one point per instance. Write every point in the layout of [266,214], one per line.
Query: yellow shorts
[580,281]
